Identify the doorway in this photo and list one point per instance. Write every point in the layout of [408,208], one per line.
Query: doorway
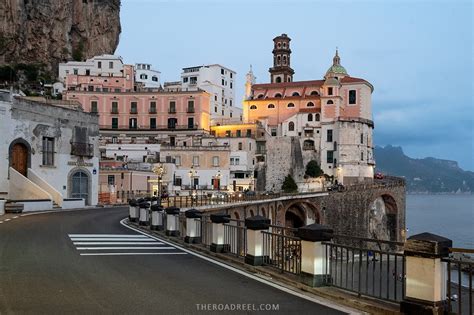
[80,186]
[20,156]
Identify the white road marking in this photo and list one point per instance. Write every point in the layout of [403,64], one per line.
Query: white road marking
[118,243]
[129,254]
[6,220]
[314,299]
[1,221]
[107,235]
[122,248]
[15,217]
[95,239]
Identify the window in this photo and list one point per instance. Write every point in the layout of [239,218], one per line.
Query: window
[249,133]
[291,126]
[238,133]
[314,93]
[329,90]
[231,75]
[152,107]
[143,76]
[114,108]
[240,145]
[329,135]
[195,160]
[133,108]
[178,181]
[362,156]
[237,161]
[278,95]
[172,108]
[190,122]
[132,123]
[271,106]
[190,106]
[222,81]
[253,107]
[48,151]
[222,71]
[295,94]
[284,59]
[114,123]
[230,84]
[352,97]
[111,64]
[290,105]
[310,117]
[154,78]
[172,122]
[330,102]
[215,161]
[94,107]
[329,157]
[75,71]
[278,80]
[111,180]
[318,117]
[99,64]
[230,114]
[274,132]
[260,96]
[362,138]
[215,109]
[250,146]
[335,145]
[177,160]
[152,123]
[193,80]
[185,79]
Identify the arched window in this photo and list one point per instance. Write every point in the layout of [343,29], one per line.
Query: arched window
[317,117]
[260,96]
[278,80]
[271,106]
[291,126]
[330,102]
[288,80]
[314,93]
[310,117]
[310,104]
[284,60]
[290,105]
[278,95]
[278,60]
[253,107]
[295,94]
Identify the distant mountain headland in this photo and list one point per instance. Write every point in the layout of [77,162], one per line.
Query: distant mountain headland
[428,175]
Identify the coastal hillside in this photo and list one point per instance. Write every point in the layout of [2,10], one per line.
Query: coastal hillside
[48,32]
[424,175]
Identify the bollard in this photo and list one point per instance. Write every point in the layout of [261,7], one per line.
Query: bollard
[218,221]
[144,218]
[255,225]
[172,228]
[426,275]
[314,263]
[154,200]
[193,231]
[157,217]
[133,210]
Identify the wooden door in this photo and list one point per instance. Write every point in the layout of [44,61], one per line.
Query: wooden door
[20,158]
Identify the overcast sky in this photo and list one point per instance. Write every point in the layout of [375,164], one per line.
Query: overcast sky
[417,54]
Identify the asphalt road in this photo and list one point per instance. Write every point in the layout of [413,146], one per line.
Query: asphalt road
[42,271]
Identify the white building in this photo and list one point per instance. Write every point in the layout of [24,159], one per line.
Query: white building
[50,154]
[147,76]
[132,152]
[218,81]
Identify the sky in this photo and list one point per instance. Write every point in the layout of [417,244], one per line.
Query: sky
[417,54]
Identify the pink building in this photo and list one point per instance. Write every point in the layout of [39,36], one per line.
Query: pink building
[100,83]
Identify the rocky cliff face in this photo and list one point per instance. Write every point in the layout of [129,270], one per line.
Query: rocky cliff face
[53,31]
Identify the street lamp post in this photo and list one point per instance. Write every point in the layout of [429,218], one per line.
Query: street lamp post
[218,177]
[159,170]
[192,174]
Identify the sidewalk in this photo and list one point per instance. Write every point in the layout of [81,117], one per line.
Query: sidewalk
[347,299]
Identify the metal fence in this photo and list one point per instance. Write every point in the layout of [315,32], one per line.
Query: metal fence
[460,268]
[235,237]
[206,231]
[182,225]
[282,251]
[373,267]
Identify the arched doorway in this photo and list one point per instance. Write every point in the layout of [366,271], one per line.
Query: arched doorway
[19,156]
[80,185]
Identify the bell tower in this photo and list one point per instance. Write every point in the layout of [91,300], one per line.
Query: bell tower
[281,70]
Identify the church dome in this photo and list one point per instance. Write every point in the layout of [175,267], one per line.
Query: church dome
[331,81]
[336,67]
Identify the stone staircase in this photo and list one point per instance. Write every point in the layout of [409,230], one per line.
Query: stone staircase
[11,207]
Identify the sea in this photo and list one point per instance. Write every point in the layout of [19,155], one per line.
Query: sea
[451,216]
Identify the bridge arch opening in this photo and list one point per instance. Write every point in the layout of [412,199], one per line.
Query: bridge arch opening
[295,217]
[383,218]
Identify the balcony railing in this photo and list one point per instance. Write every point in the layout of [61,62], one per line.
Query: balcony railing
[82,149]
[152,111]
[114,111]
[157,127]
[172,111]
[190,110]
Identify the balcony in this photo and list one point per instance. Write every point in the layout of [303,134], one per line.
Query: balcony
[82,149]
[148,127]
[114,111]
[190,110]
[152,111]
[172,111]
[133,111]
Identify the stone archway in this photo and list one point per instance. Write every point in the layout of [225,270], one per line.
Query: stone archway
[383,218]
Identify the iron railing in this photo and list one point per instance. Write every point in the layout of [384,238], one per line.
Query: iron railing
[235,237]
[460,265]
[82,149]
[371,267]
[282,252]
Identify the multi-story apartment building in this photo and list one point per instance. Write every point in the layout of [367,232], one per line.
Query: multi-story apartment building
[328,120]
[219,82]
[147,76]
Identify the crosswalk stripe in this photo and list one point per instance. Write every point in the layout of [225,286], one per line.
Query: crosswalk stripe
[118,243]
[111,239]
[129,254]
[108,235]
[123,248]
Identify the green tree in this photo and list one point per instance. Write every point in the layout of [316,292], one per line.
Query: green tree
[289,185]
[313,169]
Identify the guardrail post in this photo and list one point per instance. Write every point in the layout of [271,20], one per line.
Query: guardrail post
[192,230]
[426,274]
[172,228]
[218,221]
[133,211]
[314,260]
[157,217]
[144,218]
[255,225]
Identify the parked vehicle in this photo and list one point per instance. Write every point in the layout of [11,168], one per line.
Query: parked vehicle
[336,187]
[378,175]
